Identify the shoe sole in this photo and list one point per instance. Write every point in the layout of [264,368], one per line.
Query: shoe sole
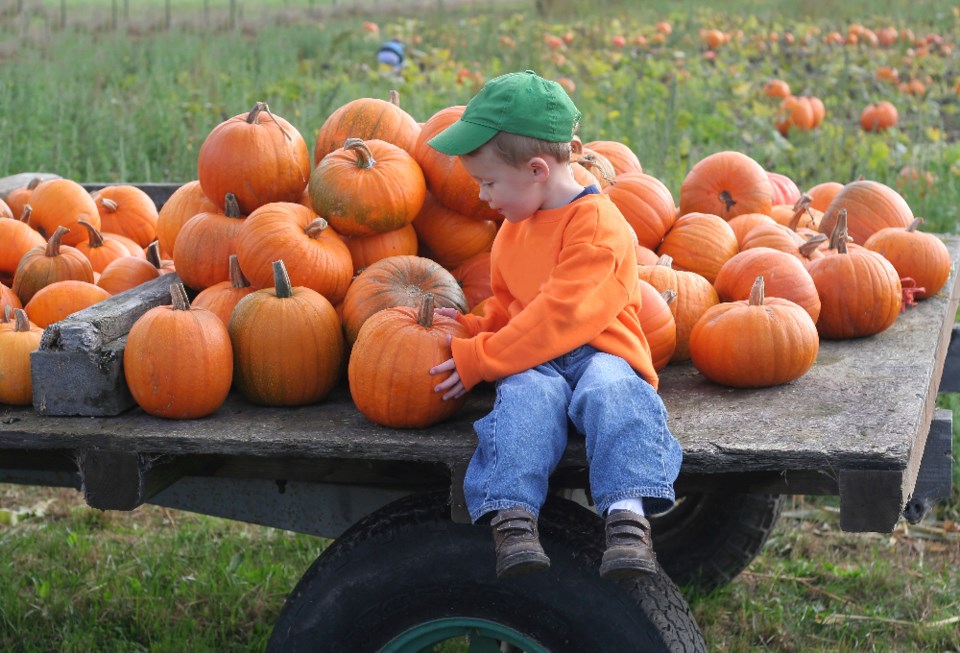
[521,564]
[626,569]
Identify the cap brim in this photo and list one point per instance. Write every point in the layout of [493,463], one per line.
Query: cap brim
[461,138]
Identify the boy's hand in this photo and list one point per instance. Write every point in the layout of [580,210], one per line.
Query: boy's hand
[446,312]
[452,386]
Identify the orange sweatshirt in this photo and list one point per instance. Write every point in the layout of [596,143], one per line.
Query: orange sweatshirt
[562,278]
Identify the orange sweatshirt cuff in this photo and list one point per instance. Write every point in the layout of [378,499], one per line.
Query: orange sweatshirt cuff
[467,361]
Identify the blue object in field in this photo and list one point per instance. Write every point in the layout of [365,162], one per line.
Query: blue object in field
[391,53]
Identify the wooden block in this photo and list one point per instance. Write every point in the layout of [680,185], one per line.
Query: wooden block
[78,368]
[950,380]
[935,479]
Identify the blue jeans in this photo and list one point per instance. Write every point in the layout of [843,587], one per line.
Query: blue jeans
[630,450]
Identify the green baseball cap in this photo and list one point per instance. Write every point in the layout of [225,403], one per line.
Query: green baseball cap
[519,103]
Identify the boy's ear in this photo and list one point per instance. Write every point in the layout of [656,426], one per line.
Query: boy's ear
[539,168]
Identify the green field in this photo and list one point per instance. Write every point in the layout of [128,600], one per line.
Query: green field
[128,92]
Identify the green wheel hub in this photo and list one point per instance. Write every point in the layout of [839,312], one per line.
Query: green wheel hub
[482,636]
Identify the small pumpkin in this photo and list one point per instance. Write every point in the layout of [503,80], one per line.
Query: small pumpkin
[287,342]
[701,243]
[17,239]
[127,210]
[56,301]
[205,243]
[130,271]
[178,361]
[367,119]
[221,298]
[366,250]
[646,203]
[390,362]
[99,249]
[914,254]
[726,184]
[48,263]
[186,202]
[879,116]
[62,203]
[754,343]
[16,345]
[18,198]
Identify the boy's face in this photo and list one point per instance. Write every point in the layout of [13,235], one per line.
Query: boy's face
[516,192]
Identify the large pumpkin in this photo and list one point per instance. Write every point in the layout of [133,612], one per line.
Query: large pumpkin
[446,177]
[16,344]
[784,275]
[658,324]
[62,203]
[287,342]
[16,239]
[727,184]
[186,202]
[318,258]
[701,243]
[56,301]
[646,203]
[870,207]
[367,119]
[178,361]
[205,243]
[258,156]
[754,343]
[390,362]
[367,187]
[398,281]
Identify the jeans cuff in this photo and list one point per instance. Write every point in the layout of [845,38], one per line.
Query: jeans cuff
[501,504]
[657,498]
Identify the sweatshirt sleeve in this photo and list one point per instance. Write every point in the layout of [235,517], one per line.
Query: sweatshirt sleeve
[578,301]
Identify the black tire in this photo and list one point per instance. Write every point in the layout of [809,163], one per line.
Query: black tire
[706,540]
[408,564]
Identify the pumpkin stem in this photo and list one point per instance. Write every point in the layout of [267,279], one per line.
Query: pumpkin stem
[665,260]
[915,224]
[237,278]
[838,237]
[7,313]
[316,227]
[425,315]
[27,210]
[365,158]
[590,163]
[20,320]
[53,245]
[153,254]
[178,297]
[727,199]
[95,237]
[669,295]
[395,97]
[231,208]
[812,244]
[34,183]
[756,293]
[254,117]
[281,280]
[800,207]
[109,204]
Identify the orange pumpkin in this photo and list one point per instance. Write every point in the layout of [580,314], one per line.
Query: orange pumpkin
[822,194]
[258,156]
[473,275]
[776,88]
[657,323]
[204,245]
[754,343]
[100,250]
[727,184]
[288,345]
[784,276]
[16,344]
[701,243]
[56,301]
[128,211]
[62,203]
[49,263]
[860,291]
[785,190]
[400,393]
[621,157]
[367,119]
[646,203]
[221,298]
[914,254]
[128,272]
[694,295]
[8,298]
[870,206]
[365,250]
[743,224]
[367,187]
[446,177]
[186,202]
[398,281]
[178,361]
[318,258]
[18,198]
[879,116]
[451,237]
[17,239]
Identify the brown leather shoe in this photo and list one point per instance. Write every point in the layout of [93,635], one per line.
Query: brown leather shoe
[629,547]
[518,544]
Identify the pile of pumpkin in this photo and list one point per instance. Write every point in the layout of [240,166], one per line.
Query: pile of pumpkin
[302,268]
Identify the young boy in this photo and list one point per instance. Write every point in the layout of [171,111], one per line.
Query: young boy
[560,336]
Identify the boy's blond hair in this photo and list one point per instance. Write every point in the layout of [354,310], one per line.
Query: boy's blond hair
[517,150]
